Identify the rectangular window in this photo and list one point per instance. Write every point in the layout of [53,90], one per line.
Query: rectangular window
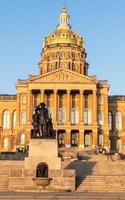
[23,99]
[23,118]
[61,116]
[87,116]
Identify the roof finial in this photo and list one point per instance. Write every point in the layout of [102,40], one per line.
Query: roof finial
[64,17]
[64,4]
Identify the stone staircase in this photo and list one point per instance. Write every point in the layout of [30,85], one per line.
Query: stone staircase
[4,179]
[102,184]
[4,173]
[98,173]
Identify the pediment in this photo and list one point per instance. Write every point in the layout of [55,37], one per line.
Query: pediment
[64,76]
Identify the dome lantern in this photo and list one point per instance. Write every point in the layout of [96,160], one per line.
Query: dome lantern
[63,19]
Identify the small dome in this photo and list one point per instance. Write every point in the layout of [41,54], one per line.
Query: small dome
[63,33]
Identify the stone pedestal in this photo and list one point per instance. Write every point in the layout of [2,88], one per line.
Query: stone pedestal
[43,150]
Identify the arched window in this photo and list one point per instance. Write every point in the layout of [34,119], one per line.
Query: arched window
[100,118]
[5,143]
[118,120]
[74,116]
[6,119]
[87,140]
[14,119]
[87,116]
[22,138]
[110,120]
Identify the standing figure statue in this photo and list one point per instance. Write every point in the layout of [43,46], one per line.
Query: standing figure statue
[35,123]
[42,123]
[43,117]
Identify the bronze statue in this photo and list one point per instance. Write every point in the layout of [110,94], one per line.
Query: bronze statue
[42,123]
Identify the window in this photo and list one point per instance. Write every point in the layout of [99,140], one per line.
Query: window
[100,118]
[74,67]
[74,137]
[61,139]
[53,36]
[61,116]
[36,98]
[87,140]
[47,66]
[62,54]
[63,35]
[118,120]
[74,116]
[52,66]
[23,118]
[63,65]
[110,120]
[22,138]
[23,99]
[100,140]
[5,143]
[87,116]
[14,119]
[6,119]
[48,104]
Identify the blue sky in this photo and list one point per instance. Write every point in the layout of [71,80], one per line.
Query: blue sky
[25,23]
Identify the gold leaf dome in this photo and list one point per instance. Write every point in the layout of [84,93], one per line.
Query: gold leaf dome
[63,33]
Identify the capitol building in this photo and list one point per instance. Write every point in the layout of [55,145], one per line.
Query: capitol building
[83,114]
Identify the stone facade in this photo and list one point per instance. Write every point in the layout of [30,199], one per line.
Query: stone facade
[77,102]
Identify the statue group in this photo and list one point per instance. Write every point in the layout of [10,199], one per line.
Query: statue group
[42,123]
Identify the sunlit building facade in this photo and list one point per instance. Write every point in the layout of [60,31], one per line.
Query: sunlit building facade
[77,102]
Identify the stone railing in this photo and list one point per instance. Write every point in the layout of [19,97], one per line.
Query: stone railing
[7,97]
[116,98]
[19,81]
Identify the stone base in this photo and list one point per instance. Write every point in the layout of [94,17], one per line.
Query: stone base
[24,178]
[43,150]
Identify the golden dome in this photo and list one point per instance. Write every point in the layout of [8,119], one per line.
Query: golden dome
[63,33]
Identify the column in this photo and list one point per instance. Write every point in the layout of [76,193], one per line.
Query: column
[1,117]
[42,99]
[11,121]
[94,138]
[81,111]
[81,139]
[68,112]
[18,109]
[29,106]
[68,138]
[55,109]
[94,108]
